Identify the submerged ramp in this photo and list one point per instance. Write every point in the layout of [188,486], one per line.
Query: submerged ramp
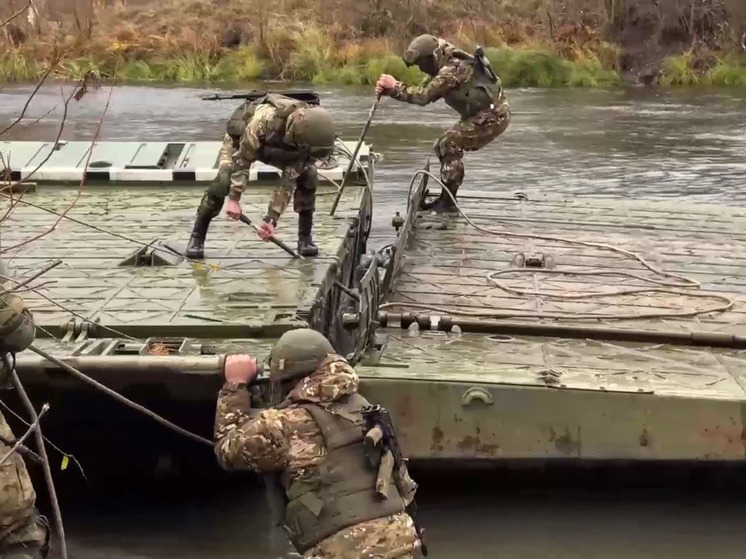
[600,329]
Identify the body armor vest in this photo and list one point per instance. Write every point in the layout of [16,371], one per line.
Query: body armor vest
[475,95]
[285,106]
[340,492]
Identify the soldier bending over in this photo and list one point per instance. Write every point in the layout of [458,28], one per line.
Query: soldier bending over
[469,86]
[285,133]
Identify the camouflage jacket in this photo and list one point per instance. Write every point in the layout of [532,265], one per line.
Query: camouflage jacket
[451,76]
[288,440]
[249,151]
[17,496]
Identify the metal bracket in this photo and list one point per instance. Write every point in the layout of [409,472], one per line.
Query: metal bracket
[476,393]
[535,260]
[79,330]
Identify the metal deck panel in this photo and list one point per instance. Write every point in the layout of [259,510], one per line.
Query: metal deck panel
[18,154]
[147,155]
[448,268]
[199,155]
[242,281]
[68,155]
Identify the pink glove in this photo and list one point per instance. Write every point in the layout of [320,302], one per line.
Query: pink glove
[266,231]
[240,369]
[233,209]
[385,83]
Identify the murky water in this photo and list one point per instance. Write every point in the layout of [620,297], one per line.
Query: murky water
[638,144]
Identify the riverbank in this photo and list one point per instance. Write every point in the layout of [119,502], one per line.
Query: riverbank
[337,42]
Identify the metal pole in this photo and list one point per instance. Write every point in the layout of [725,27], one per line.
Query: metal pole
[279,243]
[354,155]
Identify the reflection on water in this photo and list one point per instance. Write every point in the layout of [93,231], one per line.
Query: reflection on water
[640,144]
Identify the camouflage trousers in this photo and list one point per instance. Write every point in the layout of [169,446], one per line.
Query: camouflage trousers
[469,134]
[301,185]
[23,533]
[392,537]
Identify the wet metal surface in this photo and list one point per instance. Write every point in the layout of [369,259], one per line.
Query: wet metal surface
[620,144]
[242,281]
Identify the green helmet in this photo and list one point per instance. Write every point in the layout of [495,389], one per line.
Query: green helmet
[311,129]
[421,52]
[298,353]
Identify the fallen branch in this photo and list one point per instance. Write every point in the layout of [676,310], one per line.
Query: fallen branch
[43,452]
[19,442]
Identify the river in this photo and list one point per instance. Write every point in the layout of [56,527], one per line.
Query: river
[623,143]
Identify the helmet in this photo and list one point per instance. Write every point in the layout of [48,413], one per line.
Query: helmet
[311,129]
[298,353]
[421,52]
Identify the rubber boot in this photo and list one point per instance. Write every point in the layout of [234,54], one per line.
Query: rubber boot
[196,247]
[306,246]
[444,204]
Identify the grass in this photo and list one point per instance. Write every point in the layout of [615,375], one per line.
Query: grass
[687,70]
[543,68]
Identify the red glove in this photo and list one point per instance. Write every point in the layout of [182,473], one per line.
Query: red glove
[267,230]
[240,369]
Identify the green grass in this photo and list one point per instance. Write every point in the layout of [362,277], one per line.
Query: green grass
[15,67]
[730,70]
[534,68]
[727,71]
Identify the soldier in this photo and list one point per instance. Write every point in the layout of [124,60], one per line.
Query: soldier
[469,86]
[288,134]
[314,438]
[24,534]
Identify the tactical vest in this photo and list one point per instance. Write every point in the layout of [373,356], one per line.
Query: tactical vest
[475,95]
[340,492]
[285,106]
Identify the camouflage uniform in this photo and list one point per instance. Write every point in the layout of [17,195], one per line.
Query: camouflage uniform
[287,439]
[269,130]
[298,177]
[454,82]
[23,533]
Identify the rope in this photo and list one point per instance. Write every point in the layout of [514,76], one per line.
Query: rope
[681,282]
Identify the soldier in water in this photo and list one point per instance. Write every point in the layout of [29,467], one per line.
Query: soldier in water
[279,131]
[469,86]
[313,438]
[24,534]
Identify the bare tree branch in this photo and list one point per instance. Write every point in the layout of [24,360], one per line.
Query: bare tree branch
[41,81]
[19,443]
[17,14]
[82,180]
[33,277]
[7,408]
[42,451]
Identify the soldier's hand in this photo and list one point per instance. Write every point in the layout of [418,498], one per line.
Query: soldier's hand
[240,369]
[233,210]
[385,83]
[266,231]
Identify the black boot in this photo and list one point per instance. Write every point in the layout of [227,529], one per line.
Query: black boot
[196,247]
[306,247]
